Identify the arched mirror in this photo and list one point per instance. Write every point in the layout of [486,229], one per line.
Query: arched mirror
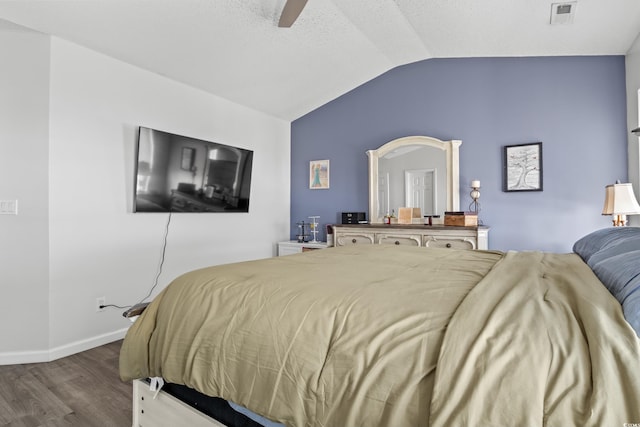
[414,171]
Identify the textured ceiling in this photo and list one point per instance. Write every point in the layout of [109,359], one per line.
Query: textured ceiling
[234,48]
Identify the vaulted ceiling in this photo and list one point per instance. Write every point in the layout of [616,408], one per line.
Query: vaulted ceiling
[235,49]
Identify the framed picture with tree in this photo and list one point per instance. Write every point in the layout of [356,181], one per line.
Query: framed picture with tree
[522,167]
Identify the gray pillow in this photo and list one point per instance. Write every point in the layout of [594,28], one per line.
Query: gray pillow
[620,274]
[622,246]
[614,256]
[631,309]
[606,238]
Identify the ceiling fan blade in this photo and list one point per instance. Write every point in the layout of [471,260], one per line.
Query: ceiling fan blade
[290,12]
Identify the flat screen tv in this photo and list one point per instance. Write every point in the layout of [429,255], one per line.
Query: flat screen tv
[176,173]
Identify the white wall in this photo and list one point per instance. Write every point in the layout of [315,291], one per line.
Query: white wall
[632,69]
[24,241]
[97,247]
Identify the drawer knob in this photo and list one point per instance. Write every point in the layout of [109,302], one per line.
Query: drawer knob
[397,242]
[353,240]
[448,245]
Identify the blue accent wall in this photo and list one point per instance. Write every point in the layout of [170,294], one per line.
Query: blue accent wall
[576,106]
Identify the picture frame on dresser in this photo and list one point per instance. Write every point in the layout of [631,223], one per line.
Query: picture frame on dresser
[522,167]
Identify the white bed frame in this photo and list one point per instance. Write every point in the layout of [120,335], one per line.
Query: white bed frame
[151,409]
[165,410]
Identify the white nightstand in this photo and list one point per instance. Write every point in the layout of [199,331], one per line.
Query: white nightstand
[291,247]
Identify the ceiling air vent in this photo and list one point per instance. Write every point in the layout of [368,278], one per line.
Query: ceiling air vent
[563,13]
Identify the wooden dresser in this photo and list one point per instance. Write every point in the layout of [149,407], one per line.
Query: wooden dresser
[430,236]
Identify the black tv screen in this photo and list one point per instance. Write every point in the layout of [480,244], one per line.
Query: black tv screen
[176,173]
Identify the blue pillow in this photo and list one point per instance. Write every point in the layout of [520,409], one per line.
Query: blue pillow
[606,238]
[631,310]
[620,274]
[622,247]
[614,256]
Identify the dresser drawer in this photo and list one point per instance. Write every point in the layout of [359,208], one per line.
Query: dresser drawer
[346,239]
[390,239]
[436,236]
[449,242]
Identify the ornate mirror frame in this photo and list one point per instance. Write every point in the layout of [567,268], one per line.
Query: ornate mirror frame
[451,151]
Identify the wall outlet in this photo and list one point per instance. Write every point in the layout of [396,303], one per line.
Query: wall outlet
[100,302]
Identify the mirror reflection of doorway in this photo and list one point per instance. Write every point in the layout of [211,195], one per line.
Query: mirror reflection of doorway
[420,190]
[384,204]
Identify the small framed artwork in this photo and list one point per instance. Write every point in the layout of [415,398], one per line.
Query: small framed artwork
[188,155]
[319,174]
[522,167]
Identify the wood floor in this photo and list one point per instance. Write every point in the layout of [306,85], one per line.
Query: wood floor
[82,390]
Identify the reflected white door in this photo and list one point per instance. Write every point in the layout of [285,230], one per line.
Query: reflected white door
[420,190]
[383,194]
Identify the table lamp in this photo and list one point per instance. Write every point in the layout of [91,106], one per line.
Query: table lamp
[620,201]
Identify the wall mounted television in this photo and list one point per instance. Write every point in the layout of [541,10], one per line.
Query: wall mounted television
[176,173]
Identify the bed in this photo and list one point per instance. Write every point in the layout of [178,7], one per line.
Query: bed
[404,336]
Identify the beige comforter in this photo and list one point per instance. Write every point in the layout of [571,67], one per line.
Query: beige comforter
[399,337]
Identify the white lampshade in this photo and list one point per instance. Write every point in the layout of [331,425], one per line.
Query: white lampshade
[619,200]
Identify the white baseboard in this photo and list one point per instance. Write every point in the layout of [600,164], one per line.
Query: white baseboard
[21,357]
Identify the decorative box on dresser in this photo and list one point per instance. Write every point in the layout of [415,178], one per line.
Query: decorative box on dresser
[430,236]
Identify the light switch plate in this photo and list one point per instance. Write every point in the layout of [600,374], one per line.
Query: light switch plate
[8,207]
